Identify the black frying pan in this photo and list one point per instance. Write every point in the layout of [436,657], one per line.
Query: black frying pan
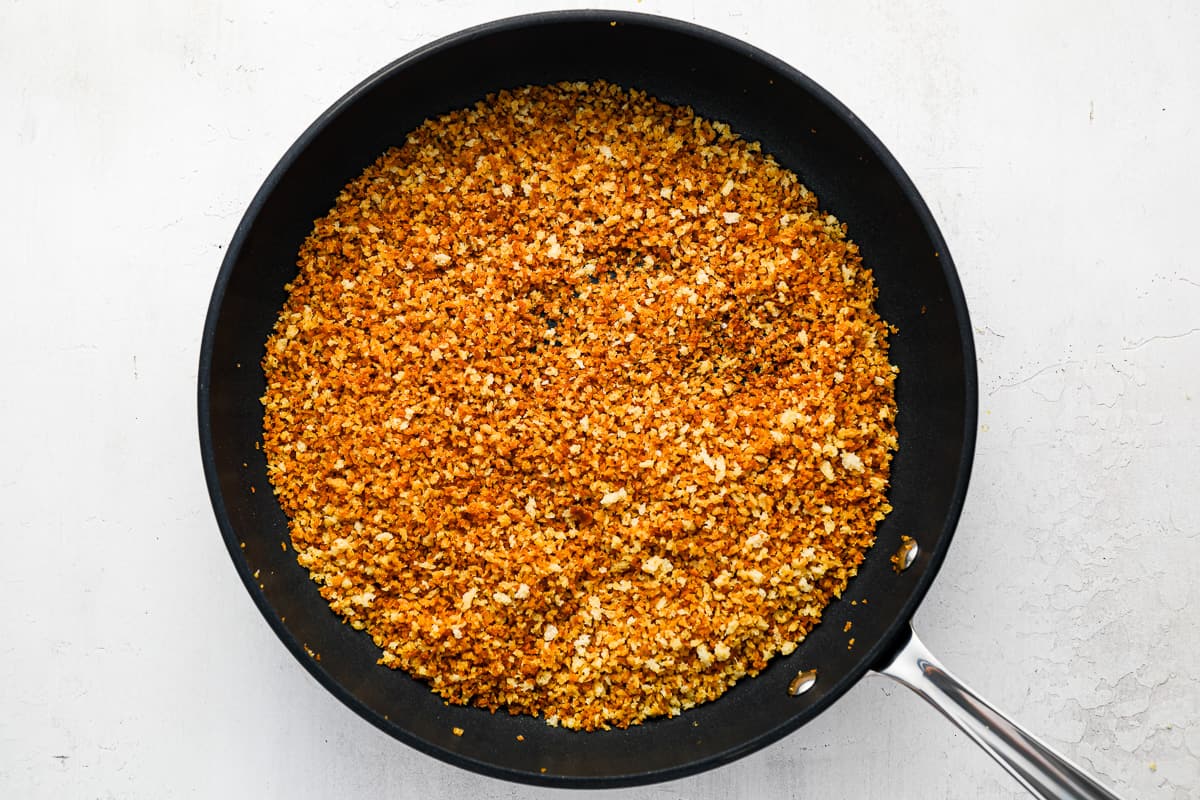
[852,174]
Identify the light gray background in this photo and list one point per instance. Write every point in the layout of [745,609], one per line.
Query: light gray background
[1058,150]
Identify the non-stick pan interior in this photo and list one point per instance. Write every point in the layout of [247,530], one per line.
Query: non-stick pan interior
[807,131]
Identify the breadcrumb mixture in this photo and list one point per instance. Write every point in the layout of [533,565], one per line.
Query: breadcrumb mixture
[579,406]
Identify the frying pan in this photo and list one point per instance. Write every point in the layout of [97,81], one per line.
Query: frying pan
[853,175]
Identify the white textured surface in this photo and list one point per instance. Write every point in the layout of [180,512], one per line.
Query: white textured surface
[1058,150]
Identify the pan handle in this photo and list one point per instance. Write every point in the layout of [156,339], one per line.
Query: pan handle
[1043,772]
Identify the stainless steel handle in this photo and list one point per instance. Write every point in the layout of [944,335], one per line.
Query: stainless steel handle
[1039,769]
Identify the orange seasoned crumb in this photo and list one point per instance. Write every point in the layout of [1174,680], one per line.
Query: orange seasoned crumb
[520,738]
[847,626]
[457,731]
[579,405]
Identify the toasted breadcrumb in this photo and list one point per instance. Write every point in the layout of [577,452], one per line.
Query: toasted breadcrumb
[579,406]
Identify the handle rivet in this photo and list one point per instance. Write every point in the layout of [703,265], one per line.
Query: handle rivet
[906,554]
[804,680]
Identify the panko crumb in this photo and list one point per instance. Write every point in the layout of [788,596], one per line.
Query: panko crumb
[546,372]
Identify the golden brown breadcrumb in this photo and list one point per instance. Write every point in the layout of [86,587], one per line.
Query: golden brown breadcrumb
[579,406]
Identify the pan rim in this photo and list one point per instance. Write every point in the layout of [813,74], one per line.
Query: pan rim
[895,633]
